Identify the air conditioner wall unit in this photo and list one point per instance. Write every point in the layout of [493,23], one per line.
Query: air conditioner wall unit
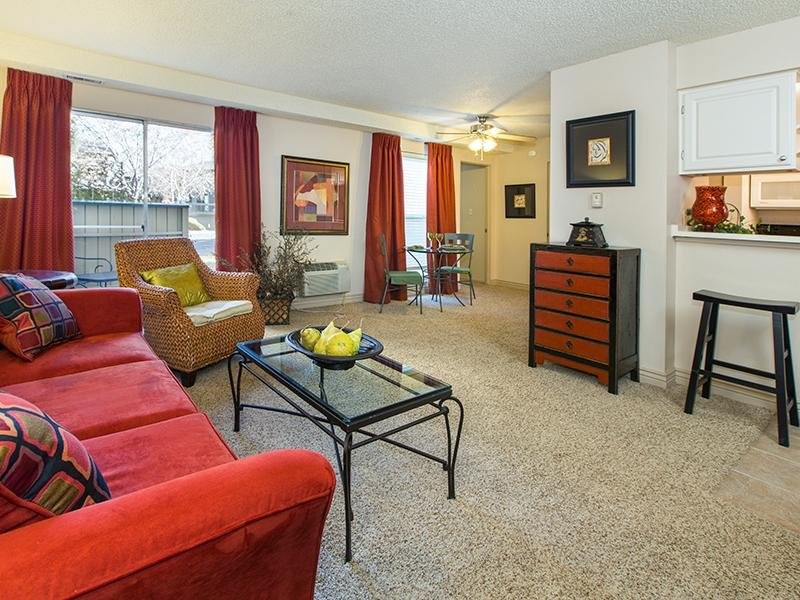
[326,278]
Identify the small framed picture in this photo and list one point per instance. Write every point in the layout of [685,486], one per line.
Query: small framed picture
[521,201]
[601,151]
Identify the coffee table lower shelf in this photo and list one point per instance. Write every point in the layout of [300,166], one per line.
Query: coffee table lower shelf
[345,441]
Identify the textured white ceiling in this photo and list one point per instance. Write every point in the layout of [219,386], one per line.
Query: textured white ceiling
[429,60]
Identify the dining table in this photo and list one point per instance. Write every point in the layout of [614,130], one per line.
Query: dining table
[442,254]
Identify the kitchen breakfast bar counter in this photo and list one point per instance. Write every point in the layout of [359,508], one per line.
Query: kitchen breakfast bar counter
[760,266]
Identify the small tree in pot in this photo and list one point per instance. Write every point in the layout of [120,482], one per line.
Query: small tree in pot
[280,262]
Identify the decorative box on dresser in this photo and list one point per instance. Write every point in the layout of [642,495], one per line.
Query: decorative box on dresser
[584,310]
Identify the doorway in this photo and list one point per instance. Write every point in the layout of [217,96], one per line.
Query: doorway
[474,203]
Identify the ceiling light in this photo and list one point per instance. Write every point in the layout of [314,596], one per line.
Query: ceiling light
[476,144]
[489,144]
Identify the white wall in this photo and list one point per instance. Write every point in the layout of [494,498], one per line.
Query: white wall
[510,239]
[765,49]
[311,140]
[513,237]
[642,80]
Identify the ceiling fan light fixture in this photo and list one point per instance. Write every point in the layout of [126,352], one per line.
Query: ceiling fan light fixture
[476,145]
[489,144]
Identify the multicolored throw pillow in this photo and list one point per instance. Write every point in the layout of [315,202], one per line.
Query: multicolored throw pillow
[32,318]
[46,469]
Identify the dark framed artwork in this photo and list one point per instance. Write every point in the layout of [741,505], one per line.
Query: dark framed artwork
[314,196]
[521,201]
[601,150]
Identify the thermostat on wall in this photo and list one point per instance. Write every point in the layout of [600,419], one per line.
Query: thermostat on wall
[597,199]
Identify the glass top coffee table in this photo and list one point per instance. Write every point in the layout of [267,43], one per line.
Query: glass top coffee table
[348,404]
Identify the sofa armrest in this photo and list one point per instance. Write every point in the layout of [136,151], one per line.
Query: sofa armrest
[236,530]
[104,310]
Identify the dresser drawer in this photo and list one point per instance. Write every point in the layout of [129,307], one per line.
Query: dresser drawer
[577,263]
[581,284]
[597,330]
[578,305]
[572,345]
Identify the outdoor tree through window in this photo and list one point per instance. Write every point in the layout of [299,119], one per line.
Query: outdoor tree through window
[144,164]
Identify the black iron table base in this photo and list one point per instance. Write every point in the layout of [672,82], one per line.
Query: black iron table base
[345,442]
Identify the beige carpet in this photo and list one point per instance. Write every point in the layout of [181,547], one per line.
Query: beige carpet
[563,490]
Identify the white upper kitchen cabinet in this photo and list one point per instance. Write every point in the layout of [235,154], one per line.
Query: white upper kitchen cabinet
[743,125]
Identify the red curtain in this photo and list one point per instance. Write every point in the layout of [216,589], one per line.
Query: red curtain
[36,226]
[385,214]
[238,185]
[441,213]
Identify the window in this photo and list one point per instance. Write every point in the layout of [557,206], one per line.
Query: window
[132,177]
[415,183]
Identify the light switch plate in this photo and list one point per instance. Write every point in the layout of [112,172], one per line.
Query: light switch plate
[597,199]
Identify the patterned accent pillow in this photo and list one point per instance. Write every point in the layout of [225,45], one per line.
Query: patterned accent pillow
[46,469]
[32,317]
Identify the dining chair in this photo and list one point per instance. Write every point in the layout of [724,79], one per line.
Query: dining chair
[399,279]
[458,268]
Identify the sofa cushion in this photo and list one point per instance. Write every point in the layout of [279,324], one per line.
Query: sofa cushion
[32,318]
[44,469]
[81,354]
[148,455]
[217,310]
[109,399]
[184,279]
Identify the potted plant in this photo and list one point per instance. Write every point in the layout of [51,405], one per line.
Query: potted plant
[280,262]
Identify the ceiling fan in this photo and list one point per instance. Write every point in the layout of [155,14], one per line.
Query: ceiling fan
[484,133]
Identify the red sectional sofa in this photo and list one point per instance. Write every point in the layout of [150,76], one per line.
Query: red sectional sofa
[186,518]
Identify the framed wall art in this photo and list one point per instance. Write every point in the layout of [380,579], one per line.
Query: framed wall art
[521,201]
[601,150]
[314,196]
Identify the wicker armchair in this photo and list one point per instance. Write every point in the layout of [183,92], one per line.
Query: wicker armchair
[172,335]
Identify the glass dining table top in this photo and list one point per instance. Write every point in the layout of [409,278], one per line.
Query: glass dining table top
[454,249]
[372,389]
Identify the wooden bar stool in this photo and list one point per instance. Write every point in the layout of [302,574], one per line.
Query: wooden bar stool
[784,390]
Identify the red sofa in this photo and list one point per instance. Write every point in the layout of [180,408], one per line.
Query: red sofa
[186,518]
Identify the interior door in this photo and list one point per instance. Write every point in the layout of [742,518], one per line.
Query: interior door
[474,190]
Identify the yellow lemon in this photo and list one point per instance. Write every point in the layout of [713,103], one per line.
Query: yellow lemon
[355,335]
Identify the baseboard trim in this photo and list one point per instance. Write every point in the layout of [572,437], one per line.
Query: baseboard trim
[509,284]
[731,391]
[657,378]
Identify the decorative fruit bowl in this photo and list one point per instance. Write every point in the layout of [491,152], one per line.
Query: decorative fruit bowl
[368,348]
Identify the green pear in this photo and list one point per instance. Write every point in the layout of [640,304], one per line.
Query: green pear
[309,337]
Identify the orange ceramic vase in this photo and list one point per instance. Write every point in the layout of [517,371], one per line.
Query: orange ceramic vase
[709,208]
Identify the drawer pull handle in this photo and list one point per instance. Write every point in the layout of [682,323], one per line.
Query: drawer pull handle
[569,325]
[569,303]
[568,344]
[570,261]
[570,283]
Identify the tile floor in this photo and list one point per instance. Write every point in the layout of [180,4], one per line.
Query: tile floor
[767,480]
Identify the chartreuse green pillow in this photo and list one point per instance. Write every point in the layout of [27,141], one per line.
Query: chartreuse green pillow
[184,279]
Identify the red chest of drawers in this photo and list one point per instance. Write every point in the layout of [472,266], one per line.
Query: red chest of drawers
[584,310]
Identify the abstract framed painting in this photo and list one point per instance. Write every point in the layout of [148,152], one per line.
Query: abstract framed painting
[601,150]
[314,196]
